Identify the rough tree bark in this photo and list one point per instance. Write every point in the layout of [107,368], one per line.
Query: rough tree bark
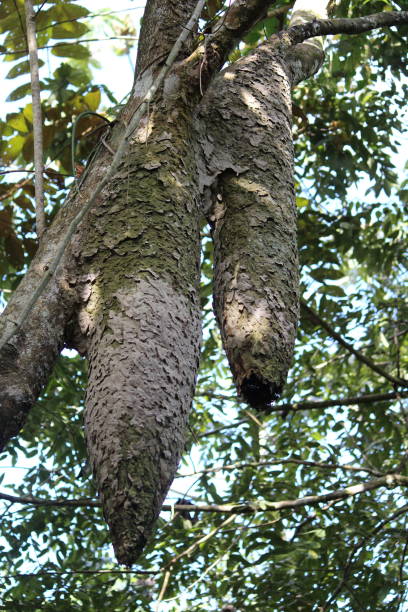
[244,132]
[125,292]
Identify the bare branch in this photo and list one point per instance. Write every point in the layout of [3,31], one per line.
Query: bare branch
[389,480]
[80,572]
[37,118]
[188,551]
[71,42]
[295,407]
[370,398]
[289,461]
[399,382]
[37,501]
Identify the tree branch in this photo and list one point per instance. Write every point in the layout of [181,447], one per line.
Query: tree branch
[37,118]
[295,407]
[347,401]
[236,22]
[305,60]
[80,572]
[399,382]
[256,464]
[389,480]
[62,503]
[201,540]
[322,27]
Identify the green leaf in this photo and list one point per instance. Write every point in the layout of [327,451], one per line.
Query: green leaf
[93,99]
[69,30]
[322,274]
[332,290]
[18,122]
[14,146]
[20,92]
[21,68]
[76,51]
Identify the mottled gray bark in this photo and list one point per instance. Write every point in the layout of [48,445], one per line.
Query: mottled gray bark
[244,129]
[28,357]
[245,147]
[140,268]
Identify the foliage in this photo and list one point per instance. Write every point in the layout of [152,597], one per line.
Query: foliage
[348,123]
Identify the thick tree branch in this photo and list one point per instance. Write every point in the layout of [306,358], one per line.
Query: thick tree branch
[304,60]
[37,118]
[390,481]
[236,23]
[314,316]
[322,27]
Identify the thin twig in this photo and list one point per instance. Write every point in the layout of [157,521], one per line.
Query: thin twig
[75,572]
[21,21]
[357,400]
[71,42]
[214,563]
[401,571]
[256,464]
[356,548]
[188,551]
[37,118]
[163,589]
[400,382]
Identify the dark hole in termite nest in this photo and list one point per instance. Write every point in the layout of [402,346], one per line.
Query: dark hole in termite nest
[259,393]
